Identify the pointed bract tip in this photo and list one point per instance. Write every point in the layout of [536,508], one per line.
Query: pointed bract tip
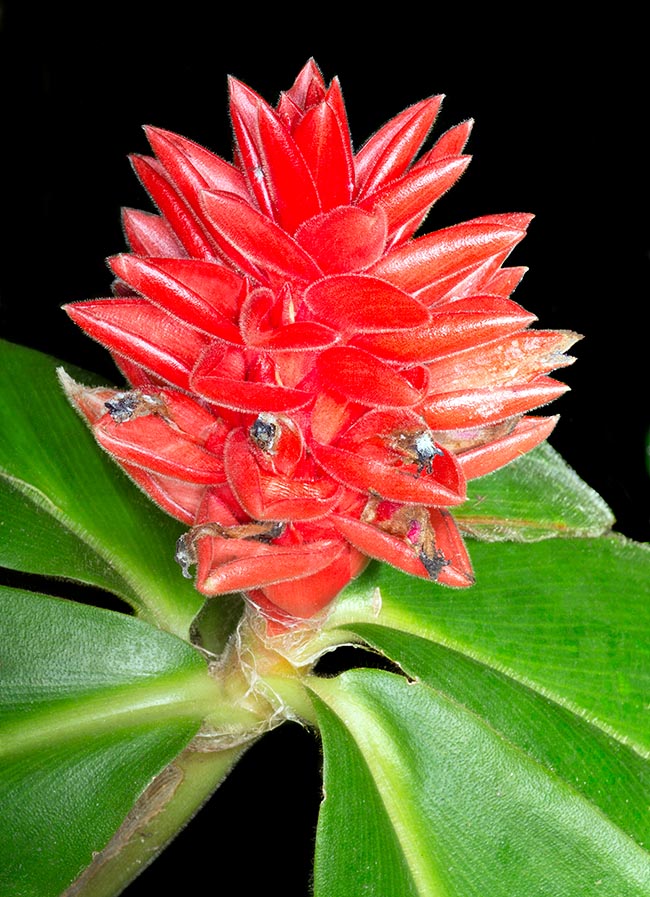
[310,69]
[68,384]
[235,85]
[81,397]
[152,133]
[137,160]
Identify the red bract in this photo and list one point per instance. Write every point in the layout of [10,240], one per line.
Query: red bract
[310,384]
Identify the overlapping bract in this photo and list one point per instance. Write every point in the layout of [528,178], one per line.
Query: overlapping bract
[310,385]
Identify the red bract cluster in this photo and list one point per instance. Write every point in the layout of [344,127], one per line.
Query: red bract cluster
[310,385]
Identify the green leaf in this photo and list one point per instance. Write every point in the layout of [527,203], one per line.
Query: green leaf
[93,705]
[423,798]
[608,773]
[538,496]
[67,509]
[515,761]
[567,617]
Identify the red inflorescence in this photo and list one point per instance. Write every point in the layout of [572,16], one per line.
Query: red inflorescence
[310,385]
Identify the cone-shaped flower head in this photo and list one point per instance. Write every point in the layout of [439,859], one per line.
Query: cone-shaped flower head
[310,384]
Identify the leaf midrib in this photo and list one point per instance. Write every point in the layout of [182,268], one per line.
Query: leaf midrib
[403,818]
[328,694]
[461,648]
[164,699]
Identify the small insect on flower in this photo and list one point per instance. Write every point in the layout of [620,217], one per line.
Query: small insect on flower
[311,384]
[418,448]
[264,432]
[127,405]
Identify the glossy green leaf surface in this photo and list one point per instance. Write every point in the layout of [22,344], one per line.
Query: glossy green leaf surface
[423,798]
[568,617]
[514,759]
[68,510]
[93,705]
[608,773]
[538,496]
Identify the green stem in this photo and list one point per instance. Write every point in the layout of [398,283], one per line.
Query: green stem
[294,696]
[163,810]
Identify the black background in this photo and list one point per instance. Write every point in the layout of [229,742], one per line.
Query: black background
[559,109]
